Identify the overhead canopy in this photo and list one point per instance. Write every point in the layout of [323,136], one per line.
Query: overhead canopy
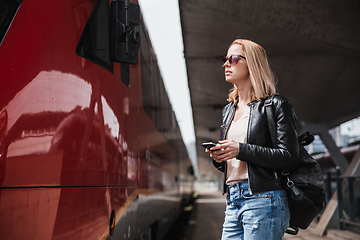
[313,46]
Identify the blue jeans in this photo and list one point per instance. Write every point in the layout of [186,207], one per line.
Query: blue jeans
[257,216]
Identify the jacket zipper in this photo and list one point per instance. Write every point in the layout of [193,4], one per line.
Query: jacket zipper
[276,175]
[250,191]
[247,137]
[225,132]
[224,182]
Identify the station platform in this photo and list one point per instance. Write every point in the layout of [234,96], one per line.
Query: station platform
[203,221]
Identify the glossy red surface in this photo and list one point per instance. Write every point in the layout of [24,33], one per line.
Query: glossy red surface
[76,143]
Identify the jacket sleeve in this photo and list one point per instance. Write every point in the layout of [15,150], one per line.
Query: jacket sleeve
[286,155]
[219,166]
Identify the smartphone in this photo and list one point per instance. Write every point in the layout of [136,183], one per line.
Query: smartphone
[208,145]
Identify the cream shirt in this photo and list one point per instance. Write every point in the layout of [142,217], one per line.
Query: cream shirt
[236,169]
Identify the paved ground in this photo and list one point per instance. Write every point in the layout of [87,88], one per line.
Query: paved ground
[207,217]
[304,235]
[204,221]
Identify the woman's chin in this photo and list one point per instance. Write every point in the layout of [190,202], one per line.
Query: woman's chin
[229,80]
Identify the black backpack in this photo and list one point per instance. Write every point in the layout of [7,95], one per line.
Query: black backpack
[304,185]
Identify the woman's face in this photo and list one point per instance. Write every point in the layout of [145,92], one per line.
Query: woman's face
[238,73]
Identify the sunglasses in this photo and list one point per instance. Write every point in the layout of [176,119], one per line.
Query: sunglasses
[233,59]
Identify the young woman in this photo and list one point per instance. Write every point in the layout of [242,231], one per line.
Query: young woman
[257,206]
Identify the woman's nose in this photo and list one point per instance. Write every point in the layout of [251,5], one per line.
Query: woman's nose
[227,63]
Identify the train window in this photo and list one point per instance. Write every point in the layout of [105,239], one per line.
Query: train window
[146,87]
[8,9]
[146,74]
[157,104]
[166,114]
[94,43]
[125,74]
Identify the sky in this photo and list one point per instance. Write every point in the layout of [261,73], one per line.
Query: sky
[162,20]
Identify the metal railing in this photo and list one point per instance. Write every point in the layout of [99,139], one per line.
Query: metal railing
[350,219]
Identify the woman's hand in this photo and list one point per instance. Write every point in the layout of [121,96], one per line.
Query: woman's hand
[224,150]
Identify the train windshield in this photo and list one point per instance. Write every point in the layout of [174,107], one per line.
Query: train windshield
[7,13]
[94,44]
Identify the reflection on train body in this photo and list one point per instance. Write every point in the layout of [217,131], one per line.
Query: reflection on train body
[80,137]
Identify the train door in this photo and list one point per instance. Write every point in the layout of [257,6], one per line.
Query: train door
[117,103]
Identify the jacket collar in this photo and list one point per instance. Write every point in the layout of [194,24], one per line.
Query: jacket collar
[262,100]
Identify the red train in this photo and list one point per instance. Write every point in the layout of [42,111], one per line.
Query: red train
[89,147]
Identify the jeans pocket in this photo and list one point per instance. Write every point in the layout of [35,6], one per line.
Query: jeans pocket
[228,199]
[285,211]
[245,193]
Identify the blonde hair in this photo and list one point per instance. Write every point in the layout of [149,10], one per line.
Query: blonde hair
[261,77]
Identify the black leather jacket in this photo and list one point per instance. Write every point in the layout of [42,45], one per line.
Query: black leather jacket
[264,162]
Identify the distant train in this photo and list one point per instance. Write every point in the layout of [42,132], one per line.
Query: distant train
[89,147]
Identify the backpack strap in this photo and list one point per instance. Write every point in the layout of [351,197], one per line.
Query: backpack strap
[270,119]
[293,230]
[272,129]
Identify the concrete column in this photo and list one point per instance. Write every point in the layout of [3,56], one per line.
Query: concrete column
[326,138]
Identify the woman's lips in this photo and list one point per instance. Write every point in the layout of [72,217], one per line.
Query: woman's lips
[227,72]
